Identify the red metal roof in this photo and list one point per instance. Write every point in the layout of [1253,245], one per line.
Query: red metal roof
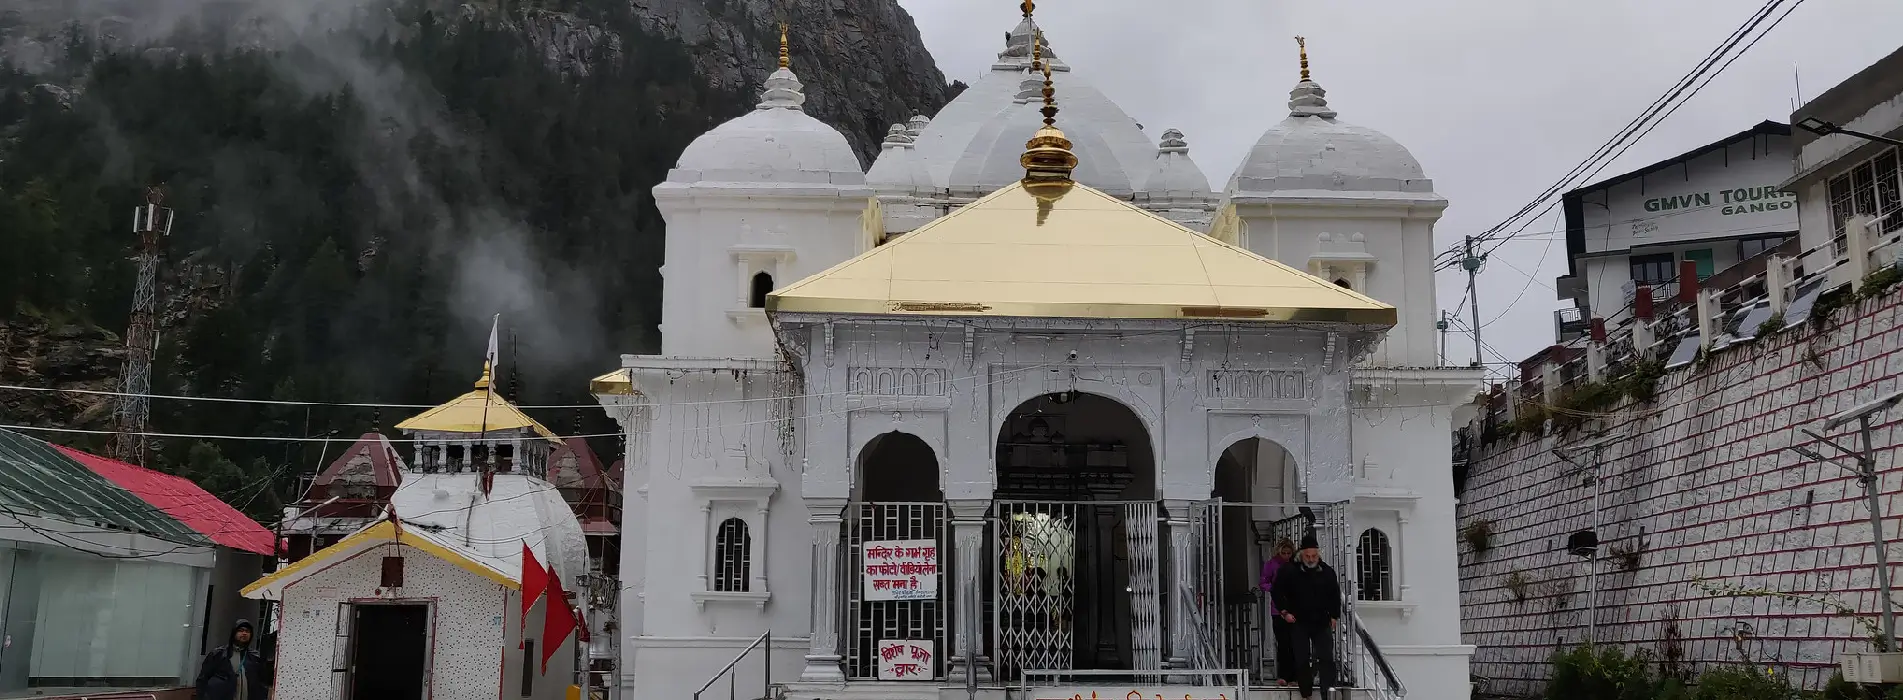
[184,501]
[372,450]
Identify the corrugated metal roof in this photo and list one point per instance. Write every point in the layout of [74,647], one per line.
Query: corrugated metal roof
[37,478]
[185,502]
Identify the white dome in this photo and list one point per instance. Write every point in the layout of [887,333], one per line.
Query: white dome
[897,168]
[776,143]
[1174,174]
[1313,150]
[519,508]
[992,160]
[968,144]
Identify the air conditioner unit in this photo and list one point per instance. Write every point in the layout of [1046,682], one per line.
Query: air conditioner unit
[1873,668]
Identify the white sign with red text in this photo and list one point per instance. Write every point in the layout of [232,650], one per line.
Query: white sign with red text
[905,660]
[900,570]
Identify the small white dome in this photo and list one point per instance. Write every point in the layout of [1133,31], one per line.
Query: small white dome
[898,167]
[1313,150]
[518,509]
[777,143]
[1174,174]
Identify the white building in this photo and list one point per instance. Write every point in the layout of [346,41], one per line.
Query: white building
[425,600]
[1715,206]
[1041,430]
[1842,176]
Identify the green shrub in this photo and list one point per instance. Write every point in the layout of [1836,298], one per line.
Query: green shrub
[1602,673]
[1478,534]
[1742,683]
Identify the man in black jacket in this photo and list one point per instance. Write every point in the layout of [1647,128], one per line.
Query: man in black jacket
[235,671]
[1309,598]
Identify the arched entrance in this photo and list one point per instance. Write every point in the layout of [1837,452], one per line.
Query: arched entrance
[1078,566]
[897,548]
[1255,506]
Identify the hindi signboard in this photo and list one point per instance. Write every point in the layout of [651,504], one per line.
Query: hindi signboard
[905,660]
[900,570]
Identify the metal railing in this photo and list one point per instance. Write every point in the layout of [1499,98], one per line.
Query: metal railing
[1204,677]
[1382,683]
[765,644]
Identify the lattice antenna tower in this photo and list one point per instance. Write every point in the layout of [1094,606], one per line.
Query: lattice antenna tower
[151,223]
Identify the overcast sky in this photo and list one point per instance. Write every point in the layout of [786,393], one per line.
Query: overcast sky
[1497,98]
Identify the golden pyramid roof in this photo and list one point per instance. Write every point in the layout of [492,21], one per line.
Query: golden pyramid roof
[478,411]
[1071,252]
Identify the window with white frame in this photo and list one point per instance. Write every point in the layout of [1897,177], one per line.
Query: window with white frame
[1869,188]
[1375,565]
[733,550]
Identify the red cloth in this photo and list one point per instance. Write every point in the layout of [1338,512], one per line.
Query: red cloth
[534,582]
[558,620]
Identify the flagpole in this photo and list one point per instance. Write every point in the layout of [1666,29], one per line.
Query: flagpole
[489,396]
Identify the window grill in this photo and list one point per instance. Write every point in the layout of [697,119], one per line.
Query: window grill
[1375,562]
[732,550]
[1869,188]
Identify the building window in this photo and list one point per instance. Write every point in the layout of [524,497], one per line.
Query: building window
[1753,247]
[1342,283]
[732,550]
[1375,562]
[762,286]
[1653,269]
[1870,188]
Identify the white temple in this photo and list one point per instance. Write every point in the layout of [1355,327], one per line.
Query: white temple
[1026,404]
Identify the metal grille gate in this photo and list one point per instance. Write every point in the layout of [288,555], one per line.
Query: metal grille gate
[873,621]
[1062,568]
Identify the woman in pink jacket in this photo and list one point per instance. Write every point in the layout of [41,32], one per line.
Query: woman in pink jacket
[1284,632]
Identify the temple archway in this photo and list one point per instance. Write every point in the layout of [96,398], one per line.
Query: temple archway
[1078,567]
[1257,482]
[899,553]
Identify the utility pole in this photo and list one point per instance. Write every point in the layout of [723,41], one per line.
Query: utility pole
[1597,448]
[1866,473]
[1442,327]
[1471,264]
[151,223]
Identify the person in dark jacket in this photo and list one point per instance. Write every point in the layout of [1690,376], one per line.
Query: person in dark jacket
[235,671]
[1309,600]
[1283,632]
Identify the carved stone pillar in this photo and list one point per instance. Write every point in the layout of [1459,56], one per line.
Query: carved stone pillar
[967,603]
[1182,566]
[823,515]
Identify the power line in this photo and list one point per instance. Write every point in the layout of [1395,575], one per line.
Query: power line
[1628,135]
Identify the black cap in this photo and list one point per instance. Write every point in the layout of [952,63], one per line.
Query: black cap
[1308,541]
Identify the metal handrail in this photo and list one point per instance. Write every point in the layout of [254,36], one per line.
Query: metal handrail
[765,642]
[1394,686]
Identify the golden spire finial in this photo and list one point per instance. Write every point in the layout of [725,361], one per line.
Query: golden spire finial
[785,60]
[1037,51]
[1047,160]
[1028,6]
[1301,45]
[483,382]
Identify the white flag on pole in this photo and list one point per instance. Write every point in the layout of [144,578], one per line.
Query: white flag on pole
[489,361]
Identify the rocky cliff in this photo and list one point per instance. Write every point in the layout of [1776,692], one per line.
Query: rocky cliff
[362,185]
[862,61]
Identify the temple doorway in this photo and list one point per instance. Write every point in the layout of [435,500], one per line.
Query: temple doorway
[1077,547]
[1257,505]
[896,542]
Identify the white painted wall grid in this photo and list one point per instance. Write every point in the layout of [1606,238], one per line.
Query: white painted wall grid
[1704,483]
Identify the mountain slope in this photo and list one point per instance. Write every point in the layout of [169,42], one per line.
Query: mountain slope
[359,191]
